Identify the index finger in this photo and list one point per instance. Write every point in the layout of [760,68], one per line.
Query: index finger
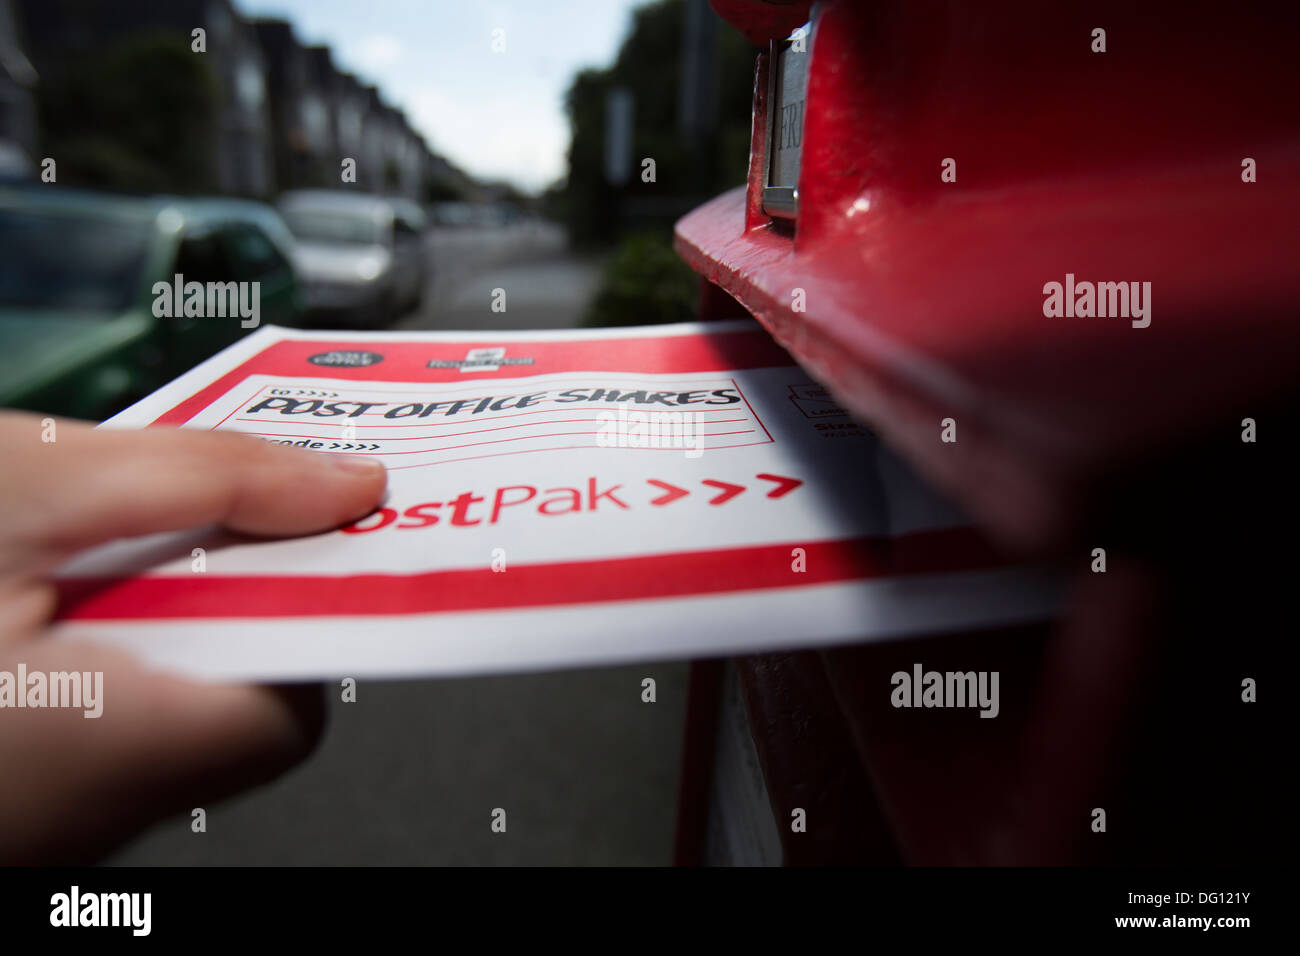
[90,486]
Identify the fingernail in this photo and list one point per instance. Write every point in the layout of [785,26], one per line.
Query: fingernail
[357,465]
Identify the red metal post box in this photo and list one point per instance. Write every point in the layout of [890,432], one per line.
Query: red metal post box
[1071,230]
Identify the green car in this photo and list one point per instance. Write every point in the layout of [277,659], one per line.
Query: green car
[85,326]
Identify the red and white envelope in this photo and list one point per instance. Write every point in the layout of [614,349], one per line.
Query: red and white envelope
[556,499]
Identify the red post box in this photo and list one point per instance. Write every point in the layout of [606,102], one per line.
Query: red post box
[1070,230]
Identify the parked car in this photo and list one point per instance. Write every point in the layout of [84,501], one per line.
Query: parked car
[362,258]
[79,333]
[454,214]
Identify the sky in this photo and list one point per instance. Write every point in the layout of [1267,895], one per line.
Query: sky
[497,115]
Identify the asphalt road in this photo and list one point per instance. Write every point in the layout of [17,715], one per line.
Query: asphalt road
[411,772]
[544,285]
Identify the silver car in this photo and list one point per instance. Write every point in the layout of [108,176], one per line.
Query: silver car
[361,258]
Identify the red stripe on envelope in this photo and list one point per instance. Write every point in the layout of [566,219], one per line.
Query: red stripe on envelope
[679,574]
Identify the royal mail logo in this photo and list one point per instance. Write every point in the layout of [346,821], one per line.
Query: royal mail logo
[480,360]
[341,358]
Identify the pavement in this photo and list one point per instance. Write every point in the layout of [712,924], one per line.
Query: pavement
[412,772]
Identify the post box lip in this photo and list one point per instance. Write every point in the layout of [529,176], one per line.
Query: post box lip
[1046,440]
[923,298]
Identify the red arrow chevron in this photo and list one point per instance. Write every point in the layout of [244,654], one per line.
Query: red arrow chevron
[672,492]
[784,485]
[729,491]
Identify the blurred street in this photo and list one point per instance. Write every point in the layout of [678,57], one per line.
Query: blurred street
[409,773]
[546,286]
[306,151]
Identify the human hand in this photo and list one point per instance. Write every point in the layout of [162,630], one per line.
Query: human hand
[73,787]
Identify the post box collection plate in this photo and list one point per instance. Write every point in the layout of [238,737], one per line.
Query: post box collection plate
[787,97]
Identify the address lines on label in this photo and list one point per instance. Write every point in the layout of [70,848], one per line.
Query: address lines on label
[528,451]
[559,386]
[425,423]
[590,406]
[498,441]
[476,431]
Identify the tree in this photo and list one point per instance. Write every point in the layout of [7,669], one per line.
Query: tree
[140,115]
[649,64]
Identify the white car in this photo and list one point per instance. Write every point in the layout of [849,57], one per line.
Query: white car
[362,259]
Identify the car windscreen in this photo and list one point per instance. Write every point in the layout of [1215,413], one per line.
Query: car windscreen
[333,226]
[68,261]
